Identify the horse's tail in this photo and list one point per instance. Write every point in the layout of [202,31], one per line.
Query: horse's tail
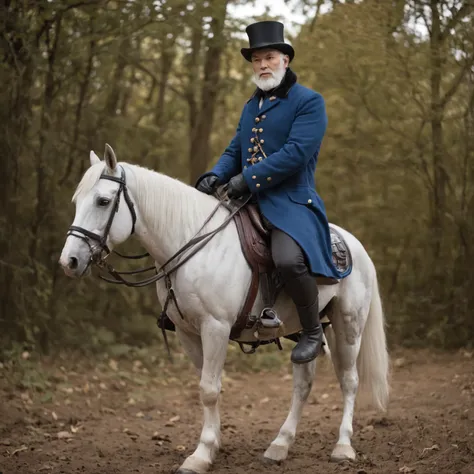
[373,360]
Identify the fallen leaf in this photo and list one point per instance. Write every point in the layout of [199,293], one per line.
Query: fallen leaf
[140,415]
[25,355]
[324,396]
[25,397]
[113,364]
[46,467]
[180,448]
[64,435]
[174,419]
[435,447]
[406,469]
[400,362]
[19,450]
[264,400]
[55,417]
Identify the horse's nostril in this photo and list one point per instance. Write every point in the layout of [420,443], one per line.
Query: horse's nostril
[73,263]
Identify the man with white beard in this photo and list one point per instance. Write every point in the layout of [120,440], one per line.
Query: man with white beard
[273,155]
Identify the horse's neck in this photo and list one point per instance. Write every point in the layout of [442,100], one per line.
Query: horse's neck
[170,212]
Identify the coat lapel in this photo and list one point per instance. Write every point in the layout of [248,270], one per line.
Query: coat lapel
[253,106]
[269,104]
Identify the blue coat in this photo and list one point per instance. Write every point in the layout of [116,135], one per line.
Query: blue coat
[276,148]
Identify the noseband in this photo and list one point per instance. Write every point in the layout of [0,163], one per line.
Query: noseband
[87,235]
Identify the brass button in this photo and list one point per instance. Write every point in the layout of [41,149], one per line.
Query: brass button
[254,129]
[254,177]
[252,140]
[269,178]
[260,158]
[257,119]
[255,148]
[264,117]
[309,201]
[262,141]
[261,130]
[250,150]
[257,185]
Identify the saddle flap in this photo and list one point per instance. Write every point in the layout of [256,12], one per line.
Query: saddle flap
[254,239]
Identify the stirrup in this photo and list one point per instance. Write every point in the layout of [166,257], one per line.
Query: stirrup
[269,319]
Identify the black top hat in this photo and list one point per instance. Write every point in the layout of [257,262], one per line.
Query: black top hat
[266,34]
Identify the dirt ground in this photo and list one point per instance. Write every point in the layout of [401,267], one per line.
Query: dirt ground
[136,416]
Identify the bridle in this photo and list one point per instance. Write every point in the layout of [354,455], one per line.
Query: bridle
[99,258]
[87,235]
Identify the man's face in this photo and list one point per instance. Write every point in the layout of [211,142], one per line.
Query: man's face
[269,67]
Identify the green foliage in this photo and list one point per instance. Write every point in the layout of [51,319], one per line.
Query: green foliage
[396,167]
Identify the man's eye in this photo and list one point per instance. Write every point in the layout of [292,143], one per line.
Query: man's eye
[102,201]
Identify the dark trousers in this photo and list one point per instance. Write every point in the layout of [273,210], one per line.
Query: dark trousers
[290,261]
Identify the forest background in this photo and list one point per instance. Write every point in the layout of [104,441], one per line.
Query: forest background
[164,83]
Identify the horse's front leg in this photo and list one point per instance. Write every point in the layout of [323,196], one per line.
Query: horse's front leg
[192,346]
[215,338]
[303,375]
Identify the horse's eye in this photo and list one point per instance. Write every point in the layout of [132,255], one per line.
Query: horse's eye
[102,201]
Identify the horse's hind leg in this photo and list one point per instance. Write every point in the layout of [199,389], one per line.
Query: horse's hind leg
[303,375]
[348,338]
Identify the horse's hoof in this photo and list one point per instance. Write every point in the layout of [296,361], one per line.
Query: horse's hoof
[270,462]
[343,452]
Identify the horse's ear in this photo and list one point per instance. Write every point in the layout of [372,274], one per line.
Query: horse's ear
[94,158]
[110,158]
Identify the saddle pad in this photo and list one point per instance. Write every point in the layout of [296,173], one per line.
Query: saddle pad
[341,255]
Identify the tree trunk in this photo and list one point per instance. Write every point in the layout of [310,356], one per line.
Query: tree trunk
[83,88]
[15,119]
[200,150]
[438,150]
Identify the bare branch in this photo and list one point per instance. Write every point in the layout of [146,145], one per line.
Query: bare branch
[457,81]
[464,11]
[143,68]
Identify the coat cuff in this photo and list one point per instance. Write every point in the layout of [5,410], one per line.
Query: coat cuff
[255,181]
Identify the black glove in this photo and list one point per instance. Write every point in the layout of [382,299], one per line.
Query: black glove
[237,187]
[208,184]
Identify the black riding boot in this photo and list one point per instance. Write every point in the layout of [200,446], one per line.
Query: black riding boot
[304,292]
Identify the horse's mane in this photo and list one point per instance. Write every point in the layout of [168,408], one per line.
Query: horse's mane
[154,188]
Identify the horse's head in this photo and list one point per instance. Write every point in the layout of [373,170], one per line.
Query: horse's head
[105,215]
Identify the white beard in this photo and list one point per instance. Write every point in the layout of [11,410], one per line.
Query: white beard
[269,83]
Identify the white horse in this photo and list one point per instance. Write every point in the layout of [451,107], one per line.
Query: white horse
[210,288]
